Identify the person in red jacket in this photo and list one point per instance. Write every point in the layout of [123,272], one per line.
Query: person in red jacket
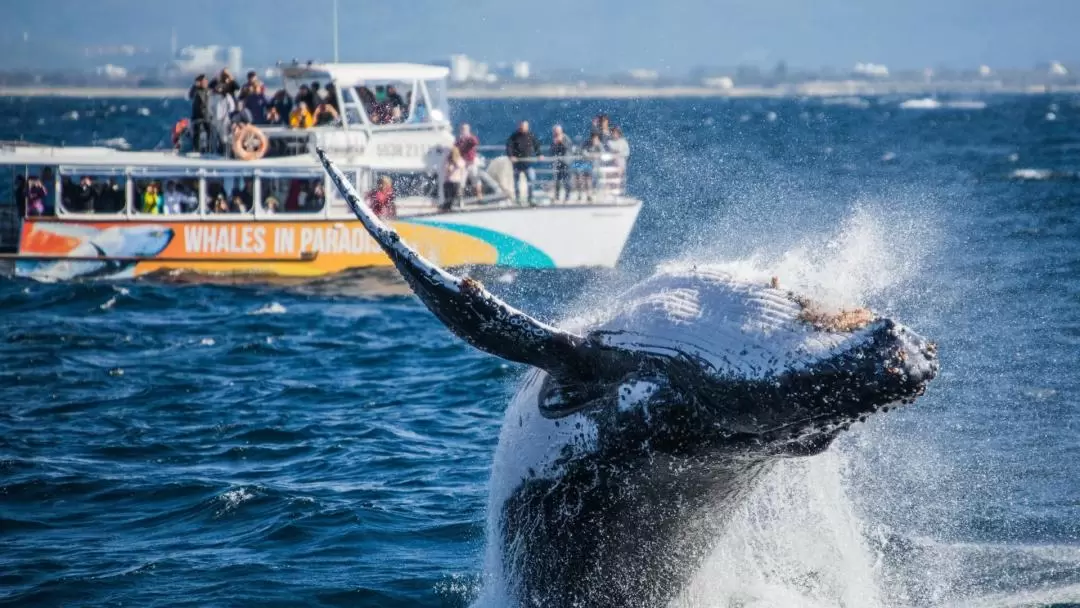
[381,199]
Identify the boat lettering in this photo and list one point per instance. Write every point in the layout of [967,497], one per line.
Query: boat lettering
[225,239]
[401,149]
[284,240]
[329,239]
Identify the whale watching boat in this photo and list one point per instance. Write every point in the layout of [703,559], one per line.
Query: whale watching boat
[254,199]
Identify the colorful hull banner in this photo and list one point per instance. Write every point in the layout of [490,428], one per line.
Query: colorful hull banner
[308,248]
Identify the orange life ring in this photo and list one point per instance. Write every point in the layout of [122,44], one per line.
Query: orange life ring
[178,131]
[250,143]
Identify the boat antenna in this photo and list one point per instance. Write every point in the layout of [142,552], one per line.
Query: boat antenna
[335,32]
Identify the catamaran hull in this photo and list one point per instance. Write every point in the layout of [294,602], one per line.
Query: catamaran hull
[562,236]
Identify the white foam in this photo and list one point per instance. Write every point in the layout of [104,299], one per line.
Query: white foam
[1032,174]
[795,541]
[272,308]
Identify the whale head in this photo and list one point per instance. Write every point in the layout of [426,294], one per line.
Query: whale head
[698,357]
[688,358]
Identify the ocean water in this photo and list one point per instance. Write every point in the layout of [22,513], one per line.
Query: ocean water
[184,442]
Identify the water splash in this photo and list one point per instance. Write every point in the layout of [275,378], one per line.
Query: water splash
[796,541]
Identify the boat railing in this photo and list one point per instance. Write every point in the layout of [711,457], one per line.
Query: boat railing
[561,179]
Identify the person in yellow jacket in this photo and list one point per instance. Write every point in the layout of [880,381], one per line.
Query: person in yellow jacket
[301,117]
[151,200]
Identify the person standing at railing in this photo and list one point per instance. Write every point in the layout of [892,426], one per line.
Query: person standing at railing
[35,196]
[253,96]
[301,117]
[454,182]
[560,149]
[200,112]
[381,200]
[586,167]
[522,148]
[620,149]
[469,145]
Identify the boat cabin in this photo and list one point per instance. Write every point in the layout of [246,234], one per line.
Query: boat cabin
[385,115]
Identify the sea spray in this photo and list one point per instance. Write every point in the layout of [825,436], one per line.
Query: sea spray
[796,541]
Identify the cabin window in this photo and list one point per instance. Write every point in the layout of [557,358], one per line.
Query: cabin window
[93,191]
[436,106]
[230,195]
[292,194]
[165,195]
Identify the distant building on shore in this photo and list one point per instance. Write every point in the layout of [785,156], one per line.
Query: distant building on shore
[192,60]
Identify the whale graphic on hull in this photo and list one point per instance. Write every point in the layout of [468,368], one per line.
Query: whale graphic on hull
[628,445]
[115,246]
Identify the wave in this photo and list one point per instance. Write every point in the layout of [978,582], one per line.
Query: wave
[1043,175]
[272,308]
[929,103]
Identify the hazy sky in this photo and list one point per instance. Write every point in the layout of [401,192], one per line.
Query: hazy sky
[595,35]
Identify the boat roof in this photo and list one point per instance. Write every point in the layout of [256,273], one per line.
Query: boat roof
[359,73]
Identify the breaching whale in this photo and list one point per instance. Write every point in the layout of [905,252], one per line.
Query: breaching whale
[627,445]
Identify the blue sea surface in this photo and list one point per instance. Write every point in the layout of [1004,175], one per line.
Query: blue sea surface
[181,442]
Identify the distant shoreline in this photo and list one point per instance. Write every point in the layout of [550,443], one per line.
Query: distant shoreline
[553,91]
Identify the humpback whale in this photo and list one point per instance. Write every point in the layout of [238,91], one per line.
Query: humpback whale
[628,443]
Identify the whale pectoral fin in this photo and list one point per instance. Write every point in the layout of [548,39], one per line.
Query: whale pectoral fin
[462,304]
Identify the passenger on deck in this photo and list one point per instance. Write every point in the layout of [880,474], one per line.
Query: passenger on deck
[522,148]
[454,182]
[173,200]
[49,179]
[367,99]
[585,168]
[560,149]
[316,199]
[35,196]
[304,95]
[282,104]
[325,114]
[111,198]
[602,127]
[84,197]
[620,148]
[301,118]
[271,205]
[151,200]
[221,204]
[200,112]
[272,116]
[381,200]
[228,84]
[253,98]
[222,108]
[394,99]
[469,145]
[237,204]
[331,97]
